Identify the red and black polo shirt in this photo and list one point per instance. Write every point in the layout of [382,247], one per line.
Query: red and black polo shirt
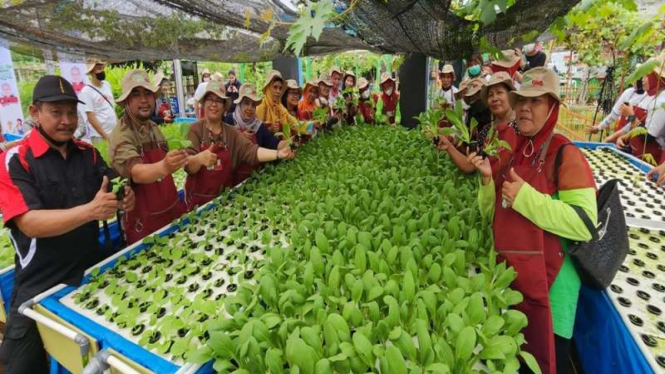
[34,176]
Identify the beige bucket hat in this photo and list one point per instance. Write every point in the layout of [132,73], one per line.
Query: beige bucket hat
[133,79]
[248,90]
[217,77]
[474,86]
[349,73]
[272,75]
[335,69]
[91,63]
[497,78]
[217,88]
[660,68]
[448,69]
[386,77]
[362,83]
[312,84]
[205,71]
[325,79]
[509,59]
[537,82]
[291,84]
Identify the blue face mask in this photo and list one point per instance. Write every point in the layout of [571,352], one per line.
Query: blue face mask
[474,70]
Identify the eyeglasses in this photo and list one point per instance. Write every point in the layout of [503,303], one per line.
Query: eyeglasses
[215,101]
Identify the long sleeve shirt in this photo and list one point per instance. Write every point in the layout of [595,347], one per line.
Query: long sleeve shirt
[553,214]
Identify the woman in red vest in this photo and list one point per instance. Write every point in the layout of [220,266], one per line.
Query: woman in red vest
[218,148]
[531,199]
[389,96]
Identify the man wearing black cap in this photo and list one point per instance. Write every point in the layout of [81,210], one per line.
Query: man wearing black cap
[53,191]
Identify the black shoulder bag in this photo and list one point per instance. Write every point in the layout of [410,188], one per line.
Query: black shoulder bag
[598,260]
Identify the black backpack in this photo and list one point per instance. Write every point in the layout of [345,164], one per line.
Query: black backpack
[598,260]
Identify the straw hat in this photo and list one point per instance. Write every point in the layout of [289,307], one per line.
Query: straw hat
[247,90]
[335,69]
[325,79]
[474,85]
[362,83]
[386,77]
[272,75]
[448,69]
[91,63]
[497,78]
[537,82]
[509,59]
[216,88]
[291,84]
[349,73]
[313,84]
[133,79]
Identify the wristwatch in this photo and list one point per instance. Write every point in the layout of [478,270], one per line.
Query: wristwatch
[630,118]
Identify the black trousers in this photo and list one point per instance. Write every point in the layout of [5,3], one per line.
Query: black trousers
[563,349]
[22,350]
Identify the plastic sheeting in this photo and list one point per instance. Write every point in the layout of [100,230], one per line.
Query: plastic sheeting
[602,339]
[242,30]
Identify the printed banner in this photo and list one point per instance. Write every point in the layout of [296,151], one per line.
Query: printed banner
[73,68]
[11,114]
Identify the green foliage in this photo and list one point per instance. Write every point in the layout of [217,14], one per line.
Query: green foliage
[594,27]
[370,263]
[176,136]
[310,23]
[6,248]
[483,11]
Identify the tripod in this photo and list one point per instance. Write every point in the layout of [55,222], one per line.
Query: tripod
[606,96]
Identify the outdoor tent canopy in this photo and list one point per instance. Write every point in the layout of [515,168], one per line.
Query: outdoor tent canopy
[236,30]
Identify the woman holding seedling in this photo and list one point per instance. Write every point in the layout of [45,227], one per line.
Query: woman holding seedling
[647,141]
[532,198]
[218,148]
[365,103]
[501,129]
[291,97]
[244,120]
[140,153]
[307,105]
[271,111]
[387,102]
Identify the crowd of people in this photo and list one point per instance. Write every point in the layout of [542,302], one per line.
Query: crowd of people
[636,123]
[54,189]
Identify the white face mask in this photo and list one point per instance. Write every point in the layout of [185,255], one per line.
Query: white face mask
[365,94]
[206,79]
[389,91]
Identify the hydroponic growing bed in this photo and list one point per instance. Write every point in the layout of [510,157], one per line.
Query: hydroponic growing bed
[638,291]
[366,252]
[641,199]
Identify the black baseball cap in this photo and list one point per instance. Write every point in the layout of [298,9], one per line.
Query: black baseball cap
[52,88]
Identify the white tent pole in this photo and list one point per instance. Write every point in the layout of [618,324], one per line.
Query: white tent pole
[180,90]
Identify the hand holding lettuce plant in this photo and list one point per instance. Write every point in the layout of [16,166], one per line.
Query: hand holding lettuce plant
[176,136]
[429,122]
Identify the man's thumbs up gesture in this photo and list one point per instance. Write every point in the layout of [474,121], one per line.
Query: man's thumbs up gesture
[509,190]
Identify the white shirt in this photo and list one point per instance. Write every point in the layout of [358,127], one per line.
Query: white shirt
[200,90]
[448,95]
[630,96]
[102,106]
[655,122]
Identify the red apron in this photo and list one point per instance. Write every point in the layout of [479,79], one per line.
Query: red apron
[206,184]
[157,204]
[637,143]
[366,111]
[623,121]
[244,170]
[537,258]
